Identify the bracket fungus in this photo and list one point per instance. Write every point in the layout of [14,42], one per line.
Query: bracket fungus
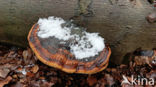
[65,46]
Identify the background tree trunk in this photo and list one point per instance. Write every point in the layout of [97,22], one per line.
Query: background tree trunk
[121,22]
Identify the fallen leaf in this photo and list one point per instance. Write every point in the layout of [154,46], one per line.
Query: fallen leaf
[4,72]
[35,69]
[141,60]
[5,69]
[42,78]
[12,54]
[109,79]
[127,85]
[123,66]
[91,80]
[25,55]
[29,74]
[28,56]
[114,70]
[6,81]
[18,84]
[101,83]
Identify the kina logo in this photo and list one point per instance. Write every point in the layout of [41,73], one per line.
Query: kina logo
[137,80]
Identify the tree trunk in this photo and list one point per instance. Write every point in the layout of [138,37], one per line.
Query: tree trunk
[121,22]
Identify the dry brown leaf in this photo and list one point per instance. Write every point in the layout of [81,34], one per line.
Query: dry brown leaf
[5,69]
[141,60]
[109,79]
[11,54]
[91,80]
[15,76]
[35,69]
[123,66]
[108,69]
[114,70]
[29,74]
[6,81]
[46,84]
[29,52]
[4,72]
[42,78]
[25,55]
[151,74]
[127,85]
[101,83]
[18,84]
[28,56]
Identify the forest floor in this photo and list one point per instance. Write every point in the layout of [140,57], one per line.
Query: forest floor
[20,68]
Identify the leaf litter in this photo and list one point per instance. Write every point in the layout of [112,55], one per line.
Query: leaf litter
[20,68]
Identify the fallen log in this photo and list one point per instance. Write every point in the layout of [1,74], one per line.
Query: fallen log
[122,23]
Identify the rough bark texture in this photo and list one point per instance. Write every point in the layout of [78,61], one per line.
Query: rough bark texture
[121,22]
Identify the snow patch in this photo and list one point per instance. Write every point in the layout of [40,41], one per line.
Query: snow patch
[52,27]
[88,45]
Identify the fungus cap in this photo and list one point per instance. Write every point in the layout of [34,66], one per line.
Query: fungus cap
[51,52]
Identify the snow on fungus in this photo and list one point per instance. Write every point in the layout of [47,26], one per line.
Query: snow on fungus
[88,45]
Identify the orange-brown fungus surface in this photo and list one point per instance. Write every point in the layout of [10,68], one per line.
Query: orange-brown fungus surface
[52,53]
